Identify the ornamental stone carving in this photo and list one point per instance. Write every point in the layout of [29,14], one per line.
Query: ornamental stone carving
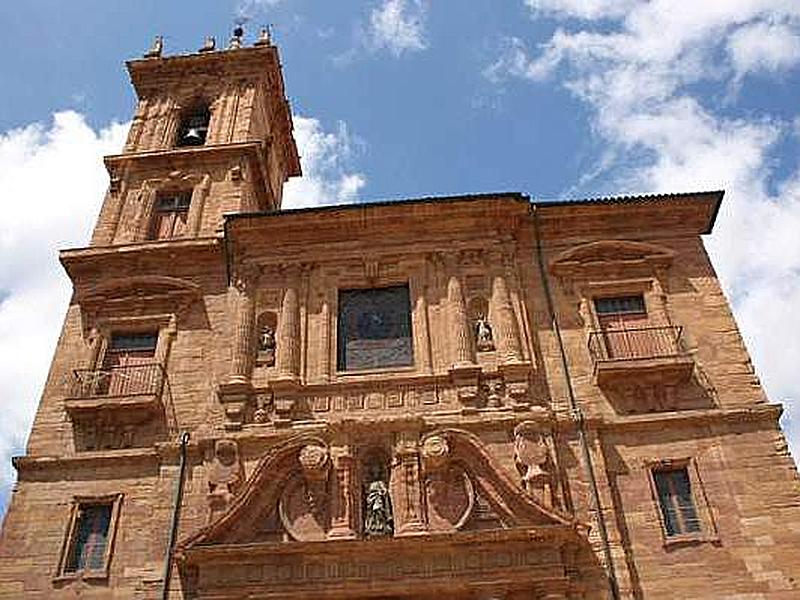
[304,504]
[448,489]
[225,476]
[533,460]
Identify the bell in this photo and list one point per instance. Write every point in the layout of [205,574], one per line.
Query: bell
[193,136]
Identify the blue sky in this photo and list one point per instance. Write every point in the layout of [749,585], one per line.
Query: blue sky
[406,98]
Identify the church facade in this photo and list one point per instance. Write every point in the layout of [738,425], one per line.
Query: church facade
[475,397]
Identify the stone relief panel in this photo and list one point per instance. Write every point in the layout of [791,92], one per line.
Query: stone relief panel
[534,461]
[449,492]
[304,505]
[225,476]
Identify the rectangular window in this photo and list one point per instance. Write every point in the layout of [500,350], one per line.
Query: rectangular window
[129,365]
[170,216]
[619,305]
[131,348]
[676,502]
[374,328]
[88,545]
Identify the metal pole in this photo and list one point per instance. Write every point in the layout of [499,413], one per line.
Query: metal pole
[176,514]
[577,413]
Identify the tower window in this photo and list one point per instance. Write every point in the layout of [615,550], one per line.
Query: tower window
[374,328]
[170,216]
[678,510]
[193,129]
[87,551]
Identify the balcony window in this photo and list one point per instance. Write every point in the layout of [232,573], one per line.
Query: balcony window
[128,368]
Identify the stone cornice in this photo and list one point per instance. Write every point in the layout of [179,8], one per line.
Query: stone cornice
[631,217]
[29,466]
[255,151]
[73,259]
[768,414]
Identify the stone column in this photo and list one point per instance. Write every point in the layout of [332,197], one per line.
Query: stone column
[324,333]
[195,215]
[242,305]
[504,323]
[288,339]
[342,496]
[459,324]
[407,497]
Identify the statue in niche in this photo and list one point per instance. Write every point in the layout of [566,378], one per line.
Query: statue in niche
[532,457]
[225,476]
[378,520]
[483,334]
[266,345]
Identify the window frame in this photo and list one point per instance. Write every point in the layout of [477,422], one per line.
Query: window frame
[349,371]
[707,523]
[71,531]
[157,213]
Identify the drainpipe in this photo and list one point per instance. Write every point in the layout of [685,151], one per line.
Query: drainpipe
[176,514]
[577,415]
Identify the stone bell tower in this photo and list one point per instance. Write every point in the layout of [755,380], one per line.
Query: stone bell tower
[212,134]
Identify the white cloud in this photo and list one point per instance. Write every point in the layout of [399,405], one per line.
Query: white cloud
[52,182]
[764,47]
[641,71]
[325,158]
[399,26]
[582,9]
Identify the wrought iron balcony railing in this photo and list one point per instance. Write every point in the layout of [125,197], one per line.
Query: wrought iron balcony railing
[129,380]
[635,344]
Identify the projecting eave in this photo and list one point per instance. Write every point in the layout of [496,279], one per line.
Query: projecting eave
[412,220]
[690,213]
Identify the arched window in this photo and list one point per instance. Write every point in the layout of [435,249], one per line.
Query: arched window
[194,127]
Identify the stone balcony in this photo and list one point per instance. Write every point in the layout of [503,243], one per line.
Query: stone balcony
[134,390]
[645,354]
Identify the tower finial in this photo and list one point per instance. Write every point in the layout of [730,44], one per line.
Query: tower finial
[236,40]
[265,37]
[156,48]
[209,45]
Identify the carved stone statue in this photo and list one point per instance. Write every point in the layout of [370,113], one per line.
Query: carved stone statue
[532,457]
[378,519]
[225,476]
[266,345]
[483,334]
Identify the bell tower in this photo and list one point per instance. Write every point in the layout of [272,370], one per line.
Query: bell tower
[212,134]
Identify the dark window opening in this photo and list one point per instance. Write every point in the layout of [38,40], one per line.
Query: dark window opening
[131,348]
[194,128]
[170,216]
[374,328]
[678,511]
[619,305]
[87,549]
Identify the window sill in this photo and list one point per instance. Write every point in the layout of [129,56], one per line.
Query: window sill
[688,539]
[98,575]
[377,371]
